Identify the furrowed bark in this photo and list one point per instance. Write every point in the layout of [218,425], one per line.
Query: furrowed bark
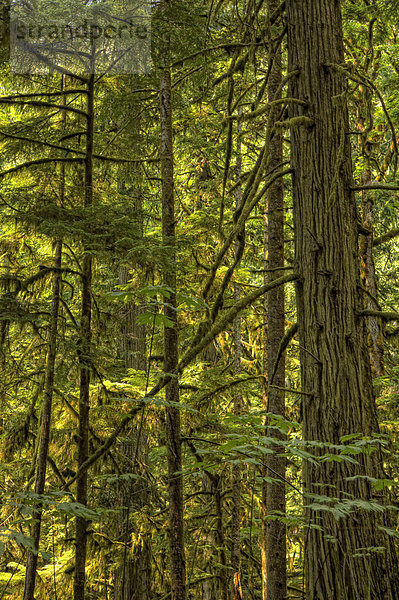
[173,432]
[274,531]
[84,356]
[335,362]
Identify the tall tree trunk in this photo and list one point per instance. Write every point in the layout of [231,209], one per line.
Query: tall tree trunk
[340,560]
[132,580]
[85,363]
[173,433]
[45,416]
[236,471]
[274,531]
[45,424]
[368,274]
[369,281]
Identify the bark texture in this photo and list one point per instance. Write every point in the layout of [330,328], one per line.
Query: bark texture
[335,361]
[173,431]
[274,531]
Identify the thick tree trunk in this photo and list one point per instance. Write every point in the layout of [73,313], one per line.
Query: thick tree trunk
[85,364]
[45,424]
[173,433]
[274,531]
[339,559]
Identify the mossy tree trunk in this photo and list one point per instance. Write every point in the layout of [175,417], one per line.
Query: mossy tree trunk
[334,355]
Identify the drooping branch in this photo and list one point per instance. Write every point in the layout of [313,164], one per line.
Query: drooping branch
[75,150]
[40,161]
[105,447]
[43,103]
[19,96]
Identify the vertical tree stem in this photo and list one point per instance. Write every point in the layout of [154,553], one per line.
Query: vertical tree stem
[274,531]
[85,363]
[173,433]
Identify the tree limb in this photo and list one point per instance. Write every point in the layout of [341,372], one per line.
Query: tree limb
[375,186]
[285,340]
[385,315]
[40,161]
[385,237]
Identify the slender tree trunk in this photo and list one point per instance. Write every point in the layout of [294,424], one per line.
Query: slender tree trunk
[45,425]
[340,560]
[369,280]
[85,364]
[173,433]
[236,474]
[132,580]
[45,417]
[274,531]
[368,274]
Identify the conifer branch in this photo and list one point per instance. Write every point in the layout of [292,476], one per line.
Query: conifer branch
[42,103]
[76,151]
[20,96]
[39,161]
